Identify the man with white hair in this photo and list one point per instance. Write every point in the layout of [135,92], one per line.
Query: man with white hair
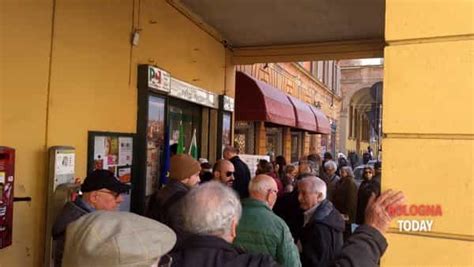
[321,238]
[330,168]
[260,230]
[211,214]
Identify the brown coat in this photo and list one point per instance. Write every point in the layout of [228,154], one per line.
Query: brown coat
[345,197]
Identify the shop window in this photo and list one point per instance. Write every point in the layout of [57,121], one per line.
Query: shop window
[274,141]
[226,129]
[324,143]
[296,146]
[154,141]
[244,137]
[189,116]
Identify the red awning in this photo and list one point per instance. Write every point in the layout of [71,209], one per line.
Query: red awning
[305,118]
[324,127]
[258,101]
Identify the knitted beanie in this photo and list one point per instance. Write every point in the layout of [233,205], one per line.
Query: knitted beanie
[183,166]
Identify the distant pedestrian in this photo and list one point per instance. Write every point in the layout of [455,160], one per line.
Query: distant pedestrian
[315,161]
[322,171]
[242,172]
[280,163]
[267,168]
[378,172]
[206,172]
[331,178]
[345,195]
[289,181]
[368,187]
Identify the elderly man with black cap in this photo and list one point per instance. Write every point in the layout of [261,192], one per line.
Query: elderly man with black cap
[101,191]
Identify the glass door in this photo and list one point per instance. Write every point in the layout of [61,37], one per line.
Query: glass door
[189,116]
[154,141]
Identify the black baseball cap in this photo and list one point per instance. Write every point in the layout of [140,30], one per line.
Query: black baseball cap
[100,179]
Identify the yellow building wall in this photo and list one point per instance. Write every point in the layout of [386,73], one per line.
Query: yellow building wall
[91,86]
[429,127]
[25,32]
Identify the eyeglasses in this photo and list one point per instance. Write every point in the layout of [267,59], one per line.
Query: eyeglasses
[229,174]
[114,194]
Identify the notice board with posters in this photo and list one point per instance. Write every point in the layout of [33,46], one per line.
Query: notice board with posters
[114,152]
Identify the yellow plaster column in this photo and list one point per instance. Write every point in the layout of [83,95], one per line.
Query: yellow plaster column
[287,143]
[428,127]
[305,144]
[261,144]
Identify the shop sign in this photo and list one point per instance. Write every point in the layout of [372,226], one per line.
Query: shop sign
[228,103]
[159,79]
[191,93]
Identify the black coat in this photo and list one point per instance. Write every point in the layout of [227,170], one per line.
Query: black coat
[164,206]
[322,237]
[288,208]
[345,197]
[70,212]
[366,189]
[241,176]
[363,249]
[211,251]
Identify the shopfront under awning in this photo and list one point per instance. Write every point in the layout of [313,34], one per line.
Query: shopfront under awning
[258,101]
[324,127]
[305,118]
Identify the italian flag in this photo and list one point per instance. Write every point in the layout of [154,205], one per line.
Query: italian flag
[193,149]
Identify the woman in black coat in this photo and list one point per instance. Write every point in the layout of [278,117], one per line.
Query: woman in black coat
[368,187]
[345,195]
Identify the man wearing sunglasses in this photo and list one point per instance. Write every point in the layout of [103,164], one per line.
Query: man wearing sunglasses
[101,191]
[223,172]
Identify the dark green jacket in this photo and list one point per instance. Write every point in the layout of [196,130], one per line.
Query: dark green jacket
[261,231]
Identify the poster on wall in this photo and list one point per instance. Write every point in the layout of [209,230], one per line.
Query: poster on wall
[226,129]
[64,163]
[113,152]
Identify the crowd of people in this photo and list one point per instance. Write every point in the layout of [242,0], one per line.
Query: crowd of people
[222,215]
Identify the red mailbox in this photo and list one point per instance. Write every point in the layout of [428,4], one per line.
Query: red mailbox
[7,174]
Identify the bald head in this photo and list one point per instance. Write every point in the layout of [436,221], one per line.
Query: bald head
[264,188]
[230,152]
[223,172]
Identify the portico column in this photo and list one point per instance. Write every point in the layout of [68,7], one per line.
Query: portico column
[429,127]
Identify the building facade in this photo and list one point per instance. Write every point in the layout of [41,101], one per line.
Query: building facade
[314,83]
[69,68]
[361,110]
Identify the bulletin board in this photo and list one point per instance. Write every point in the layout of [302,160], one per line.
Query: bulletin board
[114,152]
